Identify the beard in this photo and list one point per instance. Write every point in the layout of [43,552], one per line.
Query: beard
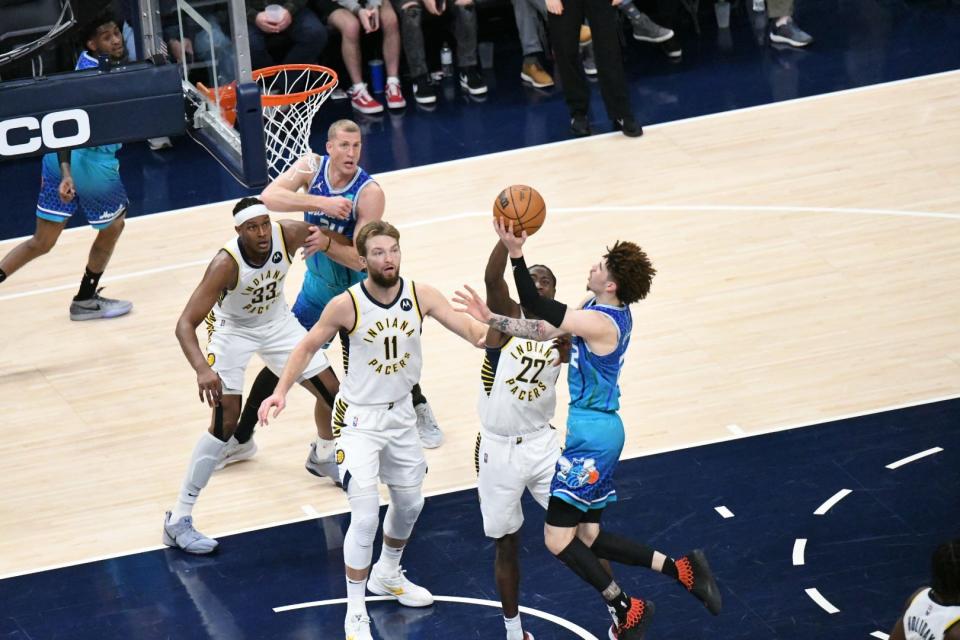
[384,281]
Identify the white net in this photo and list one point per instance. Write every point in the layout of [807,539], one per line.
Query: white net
[291,96]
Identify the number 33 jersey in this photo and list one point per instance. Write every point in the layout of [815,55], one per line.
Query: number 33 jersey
[256,299]
[518,387]
[383,351]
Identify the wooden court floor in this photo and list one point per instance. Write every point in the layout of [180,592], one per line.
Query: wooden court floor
[809,262]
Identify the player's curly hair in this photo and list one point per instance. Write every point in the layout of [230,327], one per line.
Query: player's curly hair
[631,269]
[945,570]
[376,228]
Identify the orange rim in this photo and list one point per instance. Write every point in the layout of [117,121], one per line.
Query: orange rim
[293,98]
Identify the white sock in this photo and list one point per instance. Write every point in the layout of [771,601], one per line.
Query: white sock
[356,592]
[514,628]
[204,458]
[326,449]
[390,559]
[356,87]
[393,80]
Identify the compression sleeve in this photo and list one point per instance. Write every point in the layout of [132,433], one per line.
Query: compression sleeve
[545,308]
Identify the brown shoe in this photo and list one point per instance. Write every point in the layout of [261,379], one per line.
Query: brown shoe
[533,73]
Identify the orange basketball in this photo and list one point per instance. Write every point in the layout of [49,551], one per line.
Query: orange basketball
[522,204]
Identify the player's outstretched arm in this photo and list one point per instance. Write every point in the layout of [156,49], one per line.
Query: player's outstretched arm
[433,304]
[498,294]
[339,314]
[470,303]
[221,275]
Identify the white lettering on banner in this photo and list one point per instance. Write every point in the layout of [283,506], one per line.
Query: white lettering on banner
[48,137]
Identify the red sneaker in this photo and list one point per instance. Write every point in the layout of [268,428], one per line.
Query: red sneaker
[395,96]
[362,101]
[638,619]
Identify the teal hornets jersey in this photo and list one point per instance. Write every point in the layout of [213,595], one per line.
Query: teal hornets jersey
[594,380]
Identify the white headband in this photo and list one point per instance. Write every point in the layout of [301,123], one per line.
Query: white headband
[252,211]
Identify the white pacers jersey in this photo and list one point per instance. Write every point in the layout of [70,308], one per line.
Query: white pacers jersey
[518,387]
[256,299]
[927,620]
[383,356]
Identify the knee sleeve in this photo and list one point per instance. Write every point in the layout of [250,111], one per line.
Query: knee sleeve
[364,520]
[405,506]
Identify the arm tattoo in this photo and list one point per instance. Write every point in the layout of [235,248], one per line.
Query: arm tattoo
[520,327]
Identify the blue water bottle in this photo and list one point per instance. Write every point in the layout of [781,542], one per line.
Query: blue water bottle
[377,79]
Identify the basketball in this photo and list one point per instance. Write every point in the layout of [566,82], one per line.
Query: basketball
[522,204]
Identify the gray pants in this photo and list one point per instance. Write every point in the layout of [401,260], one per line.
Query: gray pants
[411,32]
[779,8]
[530,16]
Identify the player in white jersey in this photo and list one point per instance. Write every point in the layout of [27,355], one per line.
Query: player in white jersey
[517,448]
[241,296]
[933,613]
[374,413]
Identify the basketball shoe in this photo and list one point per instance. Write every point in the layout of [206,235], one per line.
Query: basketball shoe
[322,468]
[695,575]
[236,451]
[97,306]
[397,585]
[635,626]
[357,627]
[183,534]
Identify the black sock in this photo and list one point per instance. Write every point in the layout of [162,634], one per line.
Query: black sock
[610,546]
[3,276]
[620,605]
[584,563]
[262,387]
[88,286]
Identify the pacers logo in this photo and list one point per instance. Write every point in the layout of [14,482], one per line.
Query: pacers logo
[340,456]
[211,358]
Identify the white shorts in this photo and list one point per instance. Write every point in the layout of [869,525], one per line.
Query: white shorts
[506,465]
[378,443]
[230,349]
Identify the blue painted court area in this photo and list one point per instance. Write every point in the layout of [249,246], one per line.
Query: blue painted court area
[865,555]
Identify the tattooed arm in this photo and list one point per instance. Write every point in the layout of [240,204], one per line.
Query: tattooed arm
[524,328]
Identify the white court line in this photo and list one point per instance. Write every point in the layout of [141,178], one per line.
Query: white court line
[557,620]
[723,511]
[310,511]
[799,546]
[817,597]
[916,456]
[558,210]
[837,497]
[508,152]
[881,635]
[736,429]
[467,487]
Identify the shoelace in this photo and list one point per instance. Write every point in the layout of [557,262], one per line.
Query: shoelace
[685,572]
[635,614]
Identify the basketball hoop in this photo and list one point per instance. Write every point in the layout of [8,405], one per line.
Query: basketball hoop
[290,96]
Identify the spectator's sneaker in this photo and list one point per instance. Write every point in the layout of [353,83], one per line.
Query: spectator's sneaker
[534,74]
[157,144]
[789,33]
[322,468]
[338,94]
[357,627]
[629,127]
[695,575]
[672,49]
[183,535]
[98,307]
[395,98]
[235,452]
[397,585]
[638,619]
[472,81]
[589,64]
[362,101]
[424,92]
[646,30]
[586,36]
[430,435]
[580,127]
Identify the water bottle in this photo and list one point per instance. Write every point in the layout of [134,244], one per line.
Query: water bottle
[446,60]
